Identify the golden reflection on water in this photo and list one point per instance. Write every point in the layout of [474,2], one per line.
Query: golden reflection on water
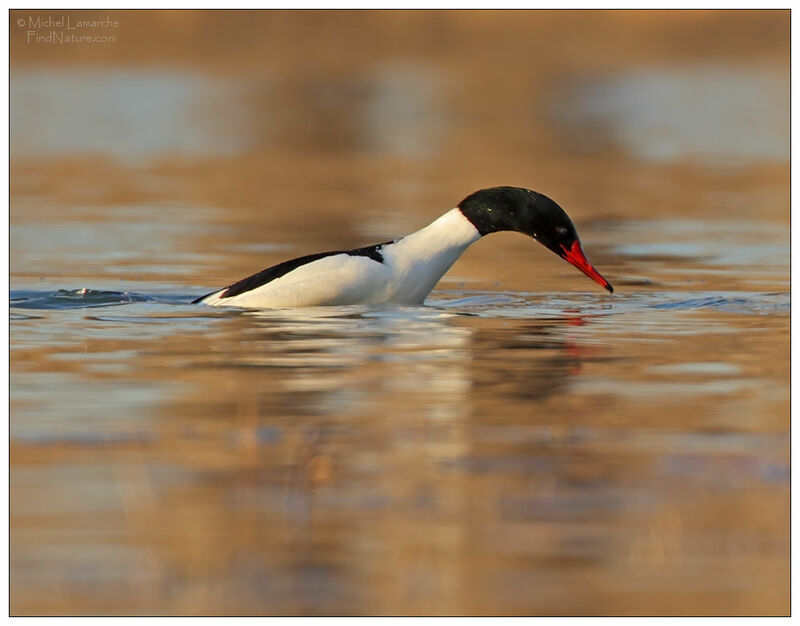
[523,445]
[344,464]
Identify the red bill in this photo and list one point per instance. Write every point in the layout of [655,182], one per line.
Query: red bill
[577,257]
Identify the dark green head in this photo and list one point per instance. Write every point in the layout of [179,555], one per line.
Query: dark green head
[534,214]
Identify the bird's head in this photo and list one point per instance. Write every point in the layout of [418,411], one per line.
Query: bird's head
[534,214]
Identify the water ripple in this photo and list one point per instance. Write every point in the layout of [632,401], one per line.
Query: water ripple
[479,303]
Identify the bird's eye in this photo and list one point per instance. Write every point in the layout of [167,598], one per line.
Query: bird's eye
[561,230]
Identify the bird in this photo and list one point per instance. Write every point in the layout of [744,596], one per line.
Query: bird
[404,271]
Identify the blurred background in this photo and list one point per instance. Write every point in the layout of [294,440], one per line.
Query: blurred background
[524,445]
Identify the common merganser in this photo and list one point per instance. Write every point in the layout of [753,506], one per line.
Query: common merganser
[405,271]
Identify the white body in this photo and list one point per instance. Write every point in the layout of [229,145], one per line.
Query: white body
[410,269]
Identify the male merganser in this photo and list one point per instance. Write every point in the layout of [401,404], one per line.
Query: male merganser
[405,271]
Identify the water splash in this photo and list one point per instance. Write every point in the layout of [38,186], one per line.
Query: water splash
[83,298]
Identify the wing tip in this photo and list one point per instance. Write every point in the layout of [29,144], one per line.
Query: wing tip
[202,299]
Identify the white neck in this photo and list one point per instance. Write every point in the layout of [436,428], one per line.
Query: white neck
[452,232]
[420,259]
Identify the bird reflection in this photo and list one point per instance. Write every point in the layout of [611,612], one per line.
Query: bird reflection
[531,359]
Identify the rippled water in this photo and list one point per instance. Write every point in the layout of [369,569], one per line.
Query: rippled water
[523,444]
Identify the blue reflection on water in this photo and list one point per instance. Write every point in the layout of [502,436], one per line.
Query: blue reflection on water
[132,115]
[718,114]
